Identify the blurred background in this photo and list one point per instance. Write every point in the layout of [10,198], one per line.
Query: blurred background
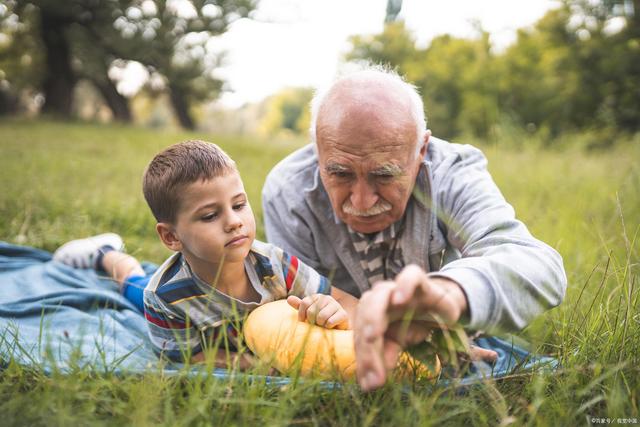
[535,70]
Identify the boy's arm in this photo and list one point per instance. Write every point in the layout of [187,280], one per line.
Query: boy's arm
[172,336]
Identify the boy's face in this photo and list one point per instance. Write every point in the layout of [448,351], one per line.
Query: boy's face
[214,224]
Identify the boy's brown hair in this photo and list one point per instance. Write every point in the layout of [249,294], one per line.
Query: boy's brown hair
[177,166]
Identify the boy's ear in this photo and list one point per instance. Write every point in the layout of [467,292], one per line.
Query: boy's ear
[168,236]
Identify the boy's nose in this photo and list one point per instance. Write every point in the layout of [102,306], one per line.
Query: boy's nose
[233,223]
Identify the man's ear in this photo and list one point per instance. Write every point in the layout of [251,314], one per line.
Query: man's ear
[168,236]
[423,149]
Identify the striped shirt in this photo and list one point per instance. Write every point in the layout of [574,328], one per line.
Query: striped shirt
[380,253]
[185,315]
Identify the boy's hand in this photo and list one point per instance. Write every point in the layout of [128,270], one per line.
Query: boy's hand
[321,310]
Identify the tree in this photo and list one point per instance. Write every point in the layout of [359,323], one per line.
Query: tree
[173,39]
[83,38]
[577,67]
[395,46]
[60,31]
[538,76]
[288,111]
[21,61]
[451,74]
[573,71]
[93,64]
[611,55]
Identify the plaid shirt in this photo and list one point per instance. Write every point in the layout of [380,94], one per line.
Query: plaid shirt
[185,315]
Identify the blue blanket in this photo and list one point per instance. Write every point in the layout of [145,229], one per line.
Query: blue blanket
[56,317]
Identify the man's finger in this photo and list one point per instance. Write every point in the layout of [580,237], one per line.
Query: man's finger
[391,354]
[479,353]
[408,281]
[371,323]
[406,334]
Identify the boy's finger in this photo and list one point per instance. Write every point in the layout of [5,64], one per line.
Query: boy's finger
[294,301]
[304,310]
[339,320]
[324,314]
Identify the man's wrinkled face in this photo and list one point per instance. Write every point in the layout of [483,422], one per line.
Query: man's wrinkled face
[368,163]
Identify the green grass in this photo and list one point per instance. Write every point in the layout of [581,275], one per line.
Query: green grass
[62,181]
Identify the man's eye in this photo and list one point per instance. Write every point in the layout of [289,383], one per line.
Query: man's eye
[385,177]
[341,174]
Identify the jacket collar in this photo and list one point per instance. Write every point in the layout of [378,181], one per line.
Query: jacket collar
[418,224]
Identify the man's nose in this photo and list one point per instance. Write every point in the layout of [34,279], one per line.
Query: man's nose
[363,195]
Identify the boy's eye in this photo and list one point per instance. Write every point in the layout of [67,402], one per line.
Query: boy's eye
[239,206]
[210,216]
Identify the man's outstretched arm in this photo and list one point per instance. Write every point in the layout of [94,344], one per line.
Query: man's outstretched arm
[507,275]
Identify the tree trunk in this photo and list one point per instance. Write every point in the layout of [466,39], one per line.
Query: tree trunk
[635,20]
[59,79]
[118,104]
[8,102]
[181,107]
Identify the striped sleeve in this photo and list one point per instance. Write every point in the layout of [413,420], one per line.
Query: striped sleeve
[172,335]
[302,280]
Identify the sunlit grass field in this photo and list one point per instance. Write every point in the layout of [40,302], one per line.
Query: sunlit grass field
[63,181]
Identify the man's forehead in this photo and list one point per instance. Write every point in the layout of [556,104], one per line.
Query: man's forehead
[375,152]
[365,96]
[365,131]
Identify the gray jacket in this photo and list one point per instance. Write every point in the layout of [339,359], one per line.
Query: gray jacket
[457,225]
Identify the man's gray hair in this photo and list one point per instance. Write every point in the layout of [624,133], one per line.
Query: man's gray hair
[366,72]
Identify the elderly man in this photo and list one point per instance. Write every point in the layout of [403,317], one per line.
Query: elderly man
[407,222]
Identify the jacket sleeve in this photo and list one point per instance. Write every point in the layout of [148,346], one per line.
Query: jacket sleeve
[508,276]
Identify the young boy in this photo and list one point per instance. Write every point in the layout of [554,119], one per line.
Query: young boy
[219,272]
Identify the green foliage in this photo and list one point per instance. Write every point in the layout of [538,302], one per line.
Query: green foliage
[453,76]
[175,45]
[21,60]
[288,111]
[63,181]
[537,80]
[85,38]
[572,71]
[395,46]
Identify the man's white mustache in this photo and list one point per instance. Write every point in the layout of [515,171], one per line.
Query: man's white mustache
[381,206]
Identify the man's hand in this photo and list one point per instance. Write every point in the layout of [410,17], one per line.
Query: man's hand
[395,314]
[323,310]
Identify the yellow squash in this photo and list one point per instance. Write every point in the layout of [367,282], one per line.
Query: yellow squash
[275,336]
